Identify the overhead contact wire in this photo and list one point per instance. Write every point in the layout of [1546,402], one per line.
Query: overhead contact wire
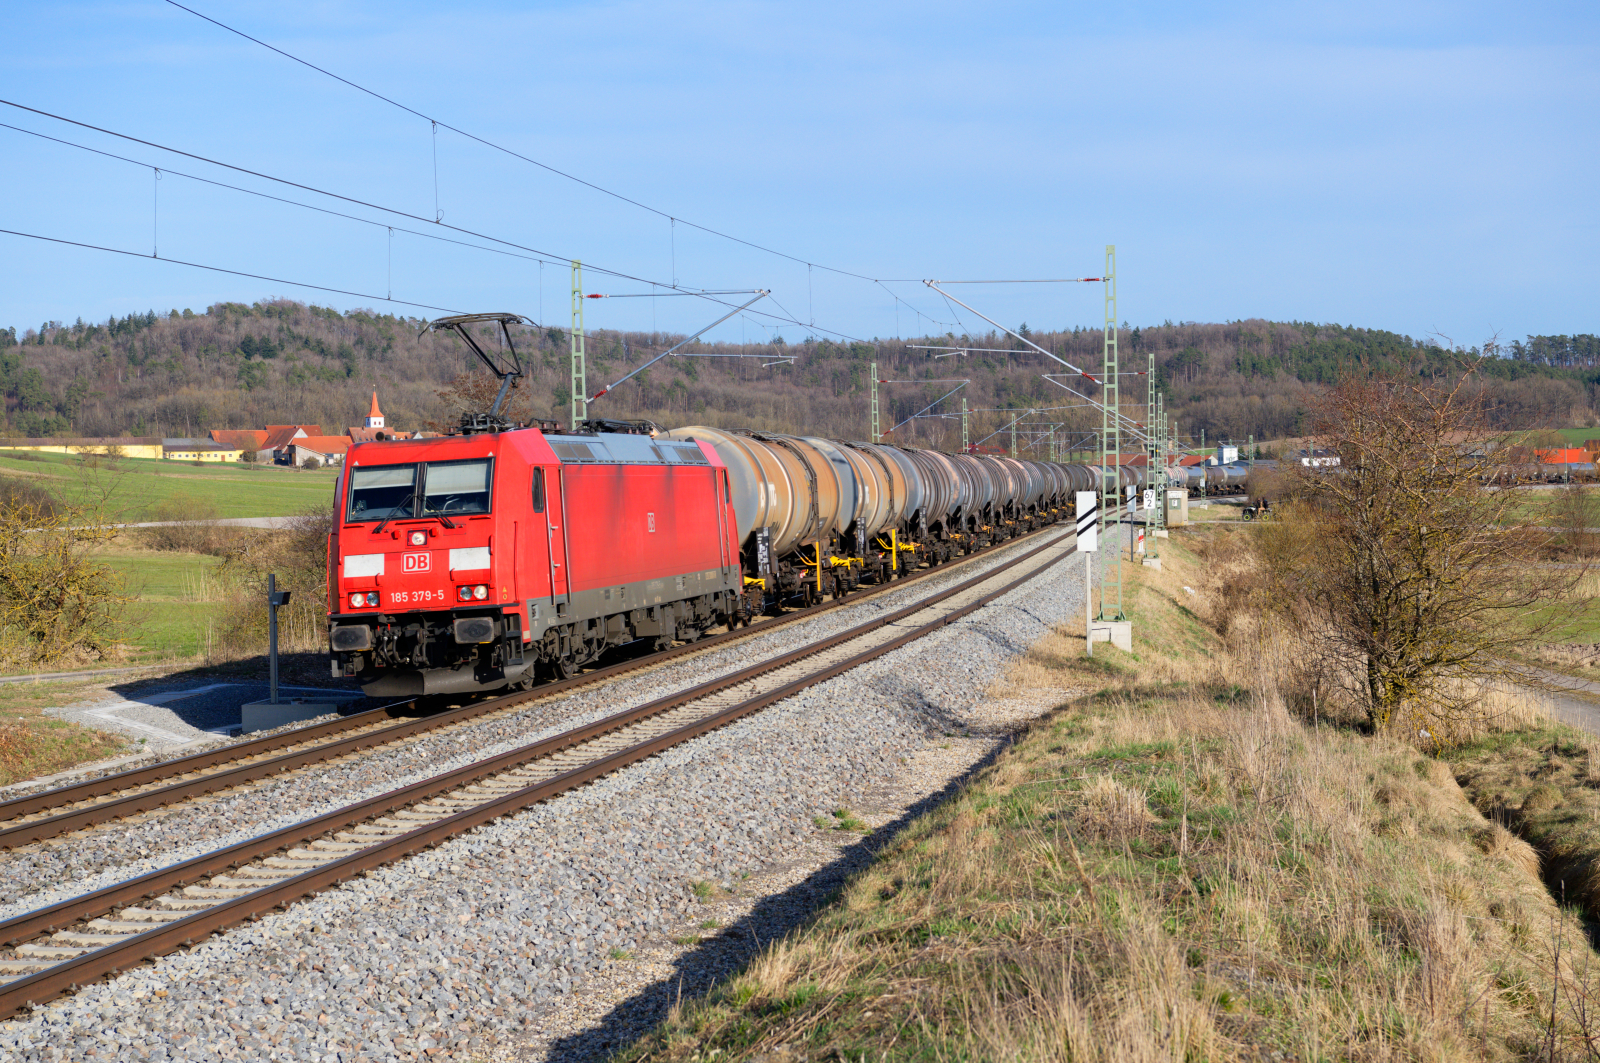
[321,192]
[671,218]
[220,269]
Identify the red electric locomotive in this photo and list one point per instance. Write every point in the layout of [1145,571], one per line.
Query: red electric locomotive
[479,561]
[499,554]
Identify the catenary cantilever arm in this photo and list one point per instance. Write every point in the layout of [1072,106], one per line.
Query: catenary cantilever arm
[760,295]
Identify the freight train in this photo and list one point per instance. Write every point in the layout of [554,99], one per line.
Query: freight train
[502,556]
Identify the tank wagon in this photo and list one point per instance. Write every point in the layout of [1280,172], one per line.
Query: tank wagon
[1227,479]
[495,558]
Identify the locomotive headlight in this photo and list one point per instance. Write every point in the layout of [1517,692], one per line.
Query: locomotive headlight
[480,592]
[357,600]
[464,593]
[372,597]
[419,538]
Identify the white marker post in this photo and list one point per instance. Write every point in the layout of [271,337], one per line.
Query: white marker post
[1088,508]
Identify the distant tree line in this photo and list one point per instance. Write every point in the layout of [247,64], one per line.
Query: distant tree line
[1568,352]
[278,361]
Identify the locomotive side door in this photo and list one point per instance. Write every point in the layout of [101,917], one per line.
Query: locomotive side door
[548,484]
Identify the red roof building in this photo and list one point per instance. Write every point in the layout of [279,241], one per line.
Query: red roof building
[250,439]
[278,435]
[329,450]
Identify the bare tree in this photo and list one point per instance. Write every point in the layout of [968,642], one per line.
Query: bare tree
[1416,577]
[474,391]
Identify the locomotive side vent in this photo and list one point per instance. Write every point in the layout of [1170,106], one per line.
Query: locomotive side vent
[573,451]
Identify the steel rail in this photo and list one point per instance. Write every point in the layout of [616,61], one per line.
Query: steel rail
[53,826]
[170,936]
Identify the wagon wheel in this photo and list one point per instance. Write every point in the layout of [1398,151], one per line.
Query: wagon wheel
[561,666]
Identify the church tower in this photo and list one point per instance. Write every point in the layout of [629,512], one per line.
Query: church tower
[375,418]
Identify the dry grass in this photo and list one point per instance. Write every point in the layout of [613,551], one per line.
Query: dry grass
[32,744]
[1544,783]
[1568,658]
[1175,868]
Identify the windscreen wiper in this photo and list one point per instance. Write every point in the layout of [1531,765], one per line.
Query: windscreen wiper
[394,512]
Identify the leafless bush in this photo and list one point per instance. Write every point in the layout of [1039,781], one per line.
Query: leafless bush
[185,523]
[1574,523]
[298,557]
[26,496]
[57,602]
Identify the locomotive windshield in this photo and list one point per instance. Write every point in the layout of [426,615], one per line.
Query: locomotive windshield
[455,487]
[439,488]
[378,490]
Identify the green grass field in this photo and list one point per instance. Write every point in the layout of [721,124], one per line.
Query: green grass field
[181,597]
[133,485]
[1575,437]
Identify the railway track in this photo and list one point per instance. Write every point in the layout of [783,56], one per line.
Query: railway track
[60,947]
[52,813]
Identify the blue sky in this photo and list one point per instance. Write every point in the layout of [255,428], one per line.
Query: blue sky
[1422,167]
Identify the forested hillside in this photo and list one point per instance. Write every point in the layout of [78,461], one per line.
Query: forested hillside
[181,373]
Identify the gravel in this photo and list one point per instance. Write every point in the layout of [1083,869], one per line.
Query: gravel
[458,949]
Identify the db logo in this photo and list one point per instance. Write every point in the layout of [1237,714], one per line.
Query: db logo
[415,562]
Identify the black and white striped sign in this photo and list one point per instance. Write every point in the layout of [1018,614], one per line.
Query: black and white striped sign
[1088,521]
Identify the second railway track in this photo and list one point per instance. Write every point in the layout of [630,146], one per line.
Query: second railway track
[62,946]
[52,813]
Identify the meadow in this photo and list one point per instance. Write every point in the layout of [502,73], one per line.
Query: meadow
[132,489]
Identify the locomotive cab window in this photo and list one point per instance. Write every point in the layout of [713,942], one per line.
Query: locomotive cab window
[377,491]
[456,488]
[538,490]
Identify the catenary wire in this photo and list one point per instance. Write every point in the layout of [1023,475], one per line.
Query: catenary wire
[539,255]
[790,319]
[289,202]
[671,218]
[332,195]
[234,272]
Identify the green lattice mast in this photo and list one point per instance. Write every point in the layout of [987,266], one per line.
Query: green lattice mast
[1110,446]
[580,376]
[873,369]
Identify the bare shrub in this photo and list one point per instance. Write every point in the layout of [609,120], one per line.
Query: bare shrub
[57,602]
[298,557]
[311,463]
[27,496]
[185,523]
[1573,522]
